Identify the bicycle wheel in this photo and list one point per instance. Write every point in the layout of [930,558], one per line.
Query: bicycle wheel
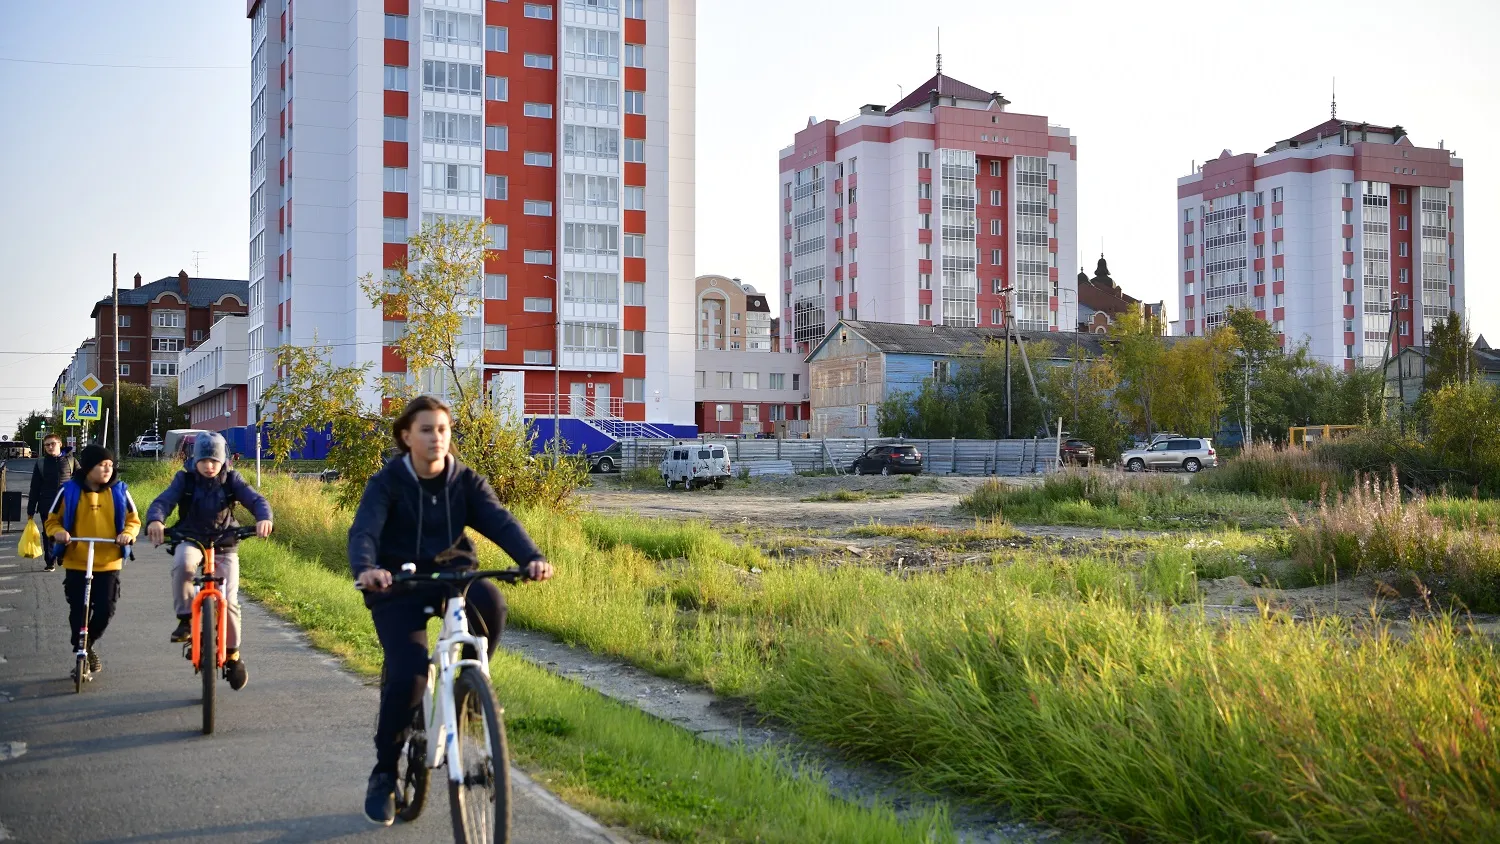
[481,802]
[412,772]
[208,656]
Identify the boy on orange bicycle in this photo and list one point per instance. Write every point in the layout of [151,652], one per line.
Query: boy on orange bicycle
[94,503]
[204,494]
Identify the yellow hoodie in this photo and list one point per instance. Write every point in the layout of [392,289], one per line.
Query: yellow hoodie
[95,519]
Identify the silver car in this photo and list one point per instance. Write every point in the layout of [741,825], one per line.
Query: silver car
[1190,454]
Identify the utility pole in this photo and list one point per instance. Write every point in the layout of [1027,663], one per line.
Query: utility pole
[1246,443]
[115,285]
[556,368]
[1005,303]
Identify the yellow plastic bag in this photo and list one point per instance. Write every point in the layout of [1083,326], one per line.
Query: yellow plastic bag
[31,541]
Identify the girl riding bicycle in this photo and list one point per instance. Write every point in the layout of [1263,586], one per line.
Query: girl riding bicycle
[415,510]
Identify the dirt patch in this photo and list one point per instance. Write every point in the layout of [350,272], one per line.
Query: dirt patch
[1388,597]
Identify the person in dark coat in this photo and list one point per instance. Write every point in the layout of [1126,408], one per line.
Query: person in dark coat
[52,469]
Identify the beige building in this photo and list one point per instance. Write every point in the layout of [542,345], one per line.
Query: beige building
[744,386]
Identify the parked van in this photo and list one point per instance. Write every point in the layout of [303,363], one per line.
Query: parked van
[696,464]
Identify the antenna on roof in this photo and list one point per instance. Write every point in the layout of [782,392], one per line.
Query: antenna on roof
[940,51]
[1333,105]
[197,253]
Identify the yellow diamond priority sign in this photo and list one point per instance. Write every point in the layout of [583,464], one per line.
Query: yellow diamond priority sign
[90,384]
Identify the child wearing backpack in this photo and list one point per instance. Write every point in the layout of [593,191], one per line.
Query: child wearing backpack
[204,494]
[94,504]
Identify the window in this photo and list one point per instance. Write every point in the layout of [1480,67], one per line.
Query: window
[924,313]
[635,55]
[635,389]
[924,281]
[497,39]
[994,168]
[995,257]
[940,371]
[1276,247]
[395,129]
[497,138]
[537,256]
[452,77]
[635,9]
[452,28]
[1402,197]
[537,208]
[538,61]
[1348,190]
[635,246]
[924,161]
[496,285]
[750,380]
[635,102]
[538,304]
[634,342]
[725,380]
[924,190]
[1405,275]
[635,198]
[1275,221]
[539,11]
[1278,274]
[538,159]
[1348,297]
[394,179]
[752,412]
[499,236]
[446,127]
[995,316]
[995,227]
[538,357]
[395,78]
[796,380]
[724,413]
[163,368]
[1278,300]
[995,198]
[776,381]
[1349,325]
[394,230]
[635,293]
[124,345]
[1405,301]
[124,369]
[166,344]
[496,187]
[997,286]
[1405,328]
[497,88]
[392,331]
[395,27]
[1403,250]
[1276,194]
[635,150]
[1349,352]
[1403,223]
[538,110]
[124,320]
[495,338]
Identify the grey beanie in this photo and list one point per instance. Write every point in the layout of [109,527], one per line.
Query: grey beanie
[209,447]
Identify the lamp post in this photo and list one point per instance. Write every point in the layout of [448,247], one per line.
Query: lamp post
[1005,308]
[556,367]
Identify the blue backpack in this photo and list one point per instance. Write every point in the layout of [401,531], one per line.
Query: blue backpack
[72,492]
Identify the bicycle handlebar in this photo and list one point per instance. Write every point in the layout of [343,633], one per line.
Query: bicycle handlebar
[412,578]
[176,535]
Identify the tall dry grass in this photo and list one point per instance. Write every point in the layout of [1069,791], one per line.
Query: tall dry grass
[1271,472]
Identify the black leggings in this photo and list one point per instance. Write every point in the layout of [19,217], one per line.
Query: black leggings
[102,598]
[401,625]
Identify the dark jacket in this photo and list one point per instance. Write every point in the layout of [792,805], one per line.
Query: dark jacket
[47,477]
[209,504]
[397,522]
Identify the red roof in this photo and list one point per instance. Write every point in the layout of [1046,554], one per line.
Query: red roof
[1330,128]
[946,86]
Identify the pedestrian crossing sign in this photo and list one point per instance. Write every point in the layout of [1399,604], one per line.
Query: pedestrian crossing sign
[70,416]
[87,408]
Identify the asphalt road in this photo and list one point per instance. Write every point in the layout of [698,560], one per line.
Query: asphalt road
[124,761]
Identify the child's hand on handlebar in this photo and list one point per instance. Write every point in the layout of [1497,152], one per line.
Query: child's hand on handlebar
[124,539]
[263,528]
[375,580]
[539,570]
[155,533]
[61,537]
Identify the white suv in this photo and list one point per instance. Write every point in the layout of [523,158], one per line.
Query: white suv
[1190,454]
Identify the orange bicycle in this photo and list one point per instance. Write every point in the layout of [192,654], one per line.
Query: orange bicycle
[207,647]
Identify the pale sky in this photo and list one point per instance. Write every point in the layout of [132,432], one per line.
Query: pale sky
[153,163]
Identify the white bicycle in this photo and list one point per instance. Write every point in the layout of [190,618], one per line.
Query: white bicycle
[460,723]
[81,672]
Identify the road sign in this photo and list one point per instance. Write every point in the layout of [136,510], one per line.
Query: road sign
[87,408]
[70,416]
[90,385]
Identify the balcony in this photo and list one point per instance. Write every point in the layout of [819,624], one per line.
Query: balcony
[217,364]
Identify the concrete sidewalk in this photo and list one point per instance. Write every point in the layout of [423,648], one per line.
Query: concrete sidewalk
[125,760]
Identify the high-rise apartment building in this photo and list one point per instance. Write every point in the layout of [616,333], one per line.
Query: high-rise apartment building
[1340,237]
[567,125]
[924,212]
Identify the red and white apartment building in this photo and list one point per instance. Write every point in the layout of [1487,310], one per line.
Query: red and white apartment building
[1337,236]
[921,213]
[567,125]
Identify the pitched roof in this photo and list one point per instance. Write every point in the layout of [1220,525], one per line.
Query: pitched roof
[1330,128]
[946,86]
[954,341]
[202,292]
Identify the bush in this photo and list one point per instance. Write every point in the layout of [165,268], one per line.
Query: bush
[1270,472]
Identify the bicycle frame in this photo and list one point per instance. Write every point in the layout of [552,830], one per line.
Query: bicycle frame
[439,714]
[208,586]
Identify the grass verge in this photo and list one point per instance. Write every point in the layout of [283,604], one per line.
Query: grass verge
[983,531]
[1116,500]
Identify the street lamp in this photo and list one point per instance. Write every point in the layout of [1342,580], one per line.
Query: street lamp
[556,367]
[1005,310]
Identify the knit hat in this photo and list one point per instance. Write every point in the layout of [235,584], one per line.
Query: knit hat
[93,455]
[209,447]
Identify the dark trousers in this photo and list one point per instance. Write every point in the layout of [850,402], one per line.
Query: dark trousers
[401,625]
[102,600]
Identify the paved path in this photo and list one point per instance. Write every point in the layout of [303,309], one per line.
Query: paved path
[124,761]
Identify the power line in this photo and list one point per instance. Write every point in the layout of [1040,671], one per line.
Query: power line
[129,66]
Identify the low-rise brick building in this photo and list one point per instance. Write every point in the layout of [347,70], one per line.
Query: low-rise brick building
[158,321]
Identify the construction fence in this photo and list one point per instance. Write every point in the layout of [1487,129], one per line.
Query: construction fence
[939,457]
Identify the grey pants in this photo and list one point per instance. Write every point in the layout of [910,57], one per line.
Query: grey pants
[227,566]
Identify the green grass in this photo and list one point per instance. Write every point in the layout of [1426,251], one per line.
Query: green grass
[983,531]
[1268,472]
[1117,500]
[854,495]
[1067,688]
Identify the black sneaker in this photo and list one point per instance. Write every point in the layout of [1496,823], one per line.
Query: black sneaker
[380,799]
[184,630]
[236,673]
[50,567]
[95,664]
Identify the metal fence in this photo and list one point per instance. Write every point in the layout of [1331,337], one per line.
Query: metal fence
[940,457]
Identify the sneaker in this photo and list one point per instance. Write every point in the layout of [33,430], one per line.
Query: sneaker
[50,567]
[236,672]
[184,630]
[95,664]
[380,799]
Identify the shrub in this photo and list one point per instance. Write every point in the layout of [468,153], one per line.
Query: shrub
[1267,471]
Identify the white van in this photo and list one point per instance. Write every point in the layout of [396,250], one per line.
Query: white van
[696,464]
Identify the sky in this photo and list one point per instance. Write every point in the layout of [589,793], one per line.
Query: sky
[147,155]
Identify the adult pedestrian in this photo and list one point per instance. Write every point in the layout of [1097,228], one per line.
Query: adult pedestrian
[49,473]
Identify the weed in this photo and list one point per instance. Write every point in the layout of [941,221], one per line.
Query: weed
[1117,500]
[983,531]
[1266,471]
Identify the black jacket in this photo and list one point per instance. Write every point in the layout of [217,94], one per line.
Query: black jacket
[47,477]
[397,522]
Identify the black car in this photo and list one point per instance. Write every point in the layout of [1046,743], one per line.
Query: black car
[888,460]
[606,461]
